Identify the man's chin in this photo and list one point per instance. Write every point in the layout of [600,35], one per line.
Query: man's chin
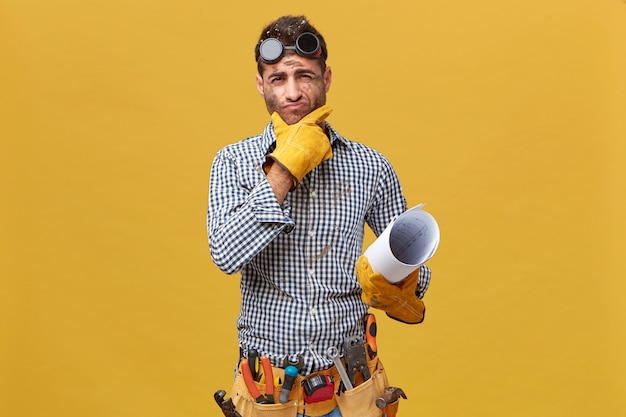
[292,117]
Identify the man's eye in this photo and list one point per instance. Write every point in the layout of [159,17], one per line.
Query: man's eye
[275,79]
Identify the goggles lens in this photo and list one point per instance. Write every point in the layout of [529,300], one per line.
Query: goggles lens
[307,45]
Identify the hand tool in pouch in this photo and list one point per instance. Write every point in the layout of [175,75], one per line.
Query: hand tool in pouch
[227,406]
[389,401]
[299,363]
[318,388]
[252,388]
[333,353]
[253,362]
[269,379]
[291,373]
[292,369]
[369,321]
[356,361]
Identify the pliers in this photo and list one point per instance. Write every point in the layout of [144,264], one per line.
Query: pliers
[268,397]
[355,357]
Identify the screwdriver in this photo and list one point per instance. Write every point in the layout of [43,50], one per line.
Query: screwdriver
[291,372]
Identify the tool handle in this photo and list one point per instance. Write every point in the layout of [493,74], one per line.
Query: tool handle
[269,375]
[370,334]
[291,372]
[247,377]
[253,362]
[333,353]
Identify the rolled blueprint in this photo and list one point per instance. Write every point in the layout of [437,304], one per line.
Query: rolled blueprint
[407,242]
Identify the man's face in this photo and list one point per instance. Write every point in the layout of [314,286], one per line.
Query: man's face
[294,86]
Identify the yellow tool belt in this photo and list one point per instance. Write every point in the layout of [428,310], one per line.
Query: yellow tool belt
[359,401]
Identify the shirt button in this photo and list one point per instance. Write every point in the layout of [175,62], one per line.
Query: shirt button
[311,233]
[311,272]
[313,311]
[313,193]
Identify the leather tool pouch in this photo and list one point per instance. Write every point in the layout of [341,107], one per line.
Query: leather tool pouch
[248,407]
[361,400]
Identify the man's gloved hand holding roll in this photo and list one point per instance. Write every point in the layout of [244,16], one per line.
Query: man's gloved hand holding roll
[397,300]
[302,146]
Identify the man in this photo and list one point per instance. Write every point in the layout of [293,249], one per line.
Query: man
[287,210]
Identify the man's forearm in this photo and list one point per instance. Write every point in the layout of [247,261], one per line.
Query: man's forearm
[241,222]
[280,180]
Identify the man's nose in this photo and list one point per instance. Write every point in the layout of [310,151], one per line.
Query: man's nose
[293,92]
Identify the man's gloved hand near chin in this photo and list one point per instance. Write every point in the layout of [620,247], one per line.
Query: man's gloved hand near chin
[302,146]
[397,300]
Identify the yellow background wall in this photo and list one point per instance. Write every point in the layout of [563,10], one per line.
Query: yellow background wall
[506,117]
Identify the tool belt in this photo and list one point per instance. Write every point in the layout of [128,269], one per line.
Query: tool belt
[357,402]
[357,384]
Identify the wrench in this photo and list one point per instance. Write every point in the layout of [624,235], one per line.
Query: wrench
[333,353]
[227,406]
[299,364]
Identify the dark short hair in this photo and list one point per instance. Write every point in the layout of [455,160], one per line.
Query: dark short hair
[286,29]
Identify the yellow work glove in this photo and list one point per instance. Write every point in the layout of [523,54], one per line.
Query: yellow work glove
[397,300]
[302,146]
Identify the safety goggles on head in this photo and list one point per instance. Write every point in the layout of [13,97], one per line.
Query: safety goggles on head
[307,45]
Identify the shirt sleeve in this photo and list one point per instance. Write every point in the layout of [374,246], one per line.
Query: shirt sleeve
[243,217]
[388,203]
[388,200]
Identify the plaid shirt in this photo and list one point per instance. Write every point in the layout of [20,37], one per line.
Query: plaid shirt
[299,290]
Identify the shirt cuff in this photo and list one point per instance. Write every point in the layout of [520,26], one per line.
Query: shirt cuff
[266,209]
[423,281]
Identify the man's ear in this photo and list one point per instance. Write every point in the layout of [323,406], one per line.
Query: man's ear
[328,78]
[259,84]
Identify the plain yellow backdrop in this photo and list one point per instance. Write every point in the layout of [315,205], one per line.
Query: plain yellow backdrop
[506,117]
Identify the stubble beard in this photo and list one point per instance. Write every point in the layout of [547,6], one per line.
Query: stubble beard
[291,118]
